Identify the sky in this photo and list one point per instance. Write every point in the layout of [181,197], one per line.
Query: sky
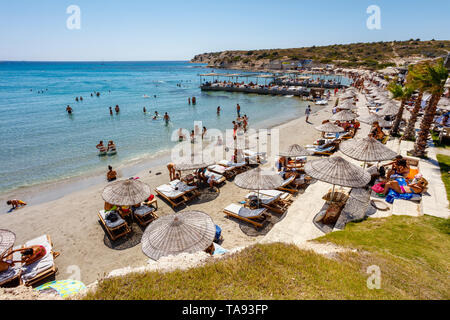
[146,30]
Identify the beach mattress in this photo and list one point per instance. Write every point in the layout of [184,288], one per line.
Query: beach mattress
[110,224]
[245,212]
[143,210]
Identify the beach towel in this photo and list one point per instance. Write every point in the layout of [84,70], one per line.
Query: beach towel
[219,249]
[392,195]
[64,288]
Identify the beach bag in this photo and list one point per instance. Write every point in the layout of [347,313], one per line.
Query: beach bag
[379,187]
[112,216]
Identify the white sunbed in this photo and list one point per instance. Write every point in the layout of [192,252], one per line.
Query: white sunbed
[256,216]
[175,192]
[217,178]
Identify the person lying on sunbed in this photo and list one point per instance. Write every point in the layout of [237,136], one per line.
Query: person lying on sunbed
[29,255]
[417,187]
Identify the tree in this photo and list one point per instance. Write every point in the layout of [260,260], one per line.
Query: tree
[403,94]
[432,79]
[413,79]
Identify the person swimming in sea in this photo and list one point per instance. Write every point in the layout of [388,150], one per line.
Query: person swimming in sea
[76,99]
[111,147]
[101,148]
[110,111]
[156,116]
[218,110]
[69,109]
[144,110]
[117,108]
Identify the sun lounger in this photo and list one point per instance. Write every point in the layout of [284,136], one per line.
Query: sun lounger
[256,217]
[115,229]
[227,172]
[291,184]
[42,268]
[238,167]
[177,192]
[216,178]
[322,151]
[144,215]
[283,196]
[272,203]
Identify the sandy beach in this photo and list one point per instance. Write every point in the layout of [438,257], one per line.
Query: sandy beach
[72,222]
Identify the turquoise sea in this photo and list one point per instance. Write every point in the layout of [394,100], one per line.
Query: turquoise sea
[41,143]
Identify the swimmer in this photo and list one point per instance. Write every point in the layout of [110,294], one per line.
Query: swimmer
[101,147]
[111,146]
[145,110]
[69,109]
[166,117]
[110,111]
[117,108]
[218,110]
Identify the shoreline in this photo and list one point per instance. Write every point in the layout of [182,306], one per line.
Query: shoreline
[73,224]
[47,191]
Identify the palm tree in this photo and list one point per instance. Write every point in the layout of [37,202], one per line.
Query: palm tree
[403,94]
[432,79]
[413,79]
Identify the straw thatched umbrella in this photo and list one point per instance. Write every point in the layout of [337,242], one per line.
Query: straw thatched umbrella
[329,127]
[337,171]
[347,95]
[187,231]
[197,161]
[344,115]
[371,118]
[126,192]
[347,106]
[366,149]
[258,179]
[388,109]
[7,239]
[295,151]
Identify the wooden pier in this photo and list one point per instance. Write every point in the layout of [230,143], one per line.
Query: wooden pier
[271,91]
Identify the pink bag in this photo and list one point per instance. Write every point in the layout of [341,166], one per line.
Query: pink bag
[379,187]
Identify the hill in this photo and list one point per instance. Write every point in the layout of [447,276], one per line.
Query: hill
[374,56]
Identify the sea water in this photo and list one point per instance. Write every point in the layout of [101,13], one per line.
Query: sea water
[40,142]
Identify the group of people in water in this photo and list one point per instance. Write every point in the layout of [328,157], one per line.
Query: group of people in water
[194,100]
[110,149]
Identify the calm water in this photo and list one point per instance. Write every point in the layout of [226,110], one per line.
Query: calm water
[40,142]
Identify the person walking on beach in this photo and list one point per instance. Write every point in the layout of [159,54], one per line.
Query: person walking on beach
[307,112]
[238,109]
[111,175]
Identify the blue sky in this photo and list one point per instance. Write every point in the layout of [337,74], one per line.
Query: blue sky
[177,30]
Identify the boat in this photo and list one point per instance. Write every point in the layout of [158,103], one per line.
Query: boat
[321,102]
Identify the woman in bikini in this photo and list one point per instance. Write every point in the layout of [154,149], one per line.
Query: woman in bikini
[417,187]
[29,255]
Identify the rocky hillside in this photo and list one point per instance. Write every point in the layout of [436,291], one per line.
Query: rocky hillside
[375,55]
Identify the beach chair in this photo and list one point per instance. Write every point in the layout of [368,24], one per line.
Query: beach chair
[292,184]
[144,215]
[237,167]
[44,267]
[227,172]
[256,217]
[216,178]
[283,196]
[115,229]
[328,151]
[177,192]
[272,203]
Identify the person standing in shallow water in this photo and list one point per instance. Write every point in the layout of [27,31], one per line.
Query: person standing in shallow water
[307,112]
[110,111]
[117,108]
[238,109]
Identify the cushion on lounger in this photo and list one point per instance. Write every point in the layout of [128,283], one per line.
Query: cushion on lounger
[9,274]
[143,210]
[111,224]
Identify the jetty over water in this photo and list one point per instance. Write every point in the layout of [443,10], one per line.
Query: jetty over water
[291,82]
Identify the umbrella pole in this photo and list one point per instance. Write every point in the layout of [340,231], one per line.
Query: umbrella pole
[332,195]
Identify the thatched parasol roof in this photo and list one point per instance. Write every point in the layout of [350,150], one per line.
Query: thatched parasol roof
[344,115]
[366,149]
[187,231]
[7,239]
[337,171]
[126,192]
[258,179]
[329,127]
[388,109]
[371,118]
[295,151]
[197,161]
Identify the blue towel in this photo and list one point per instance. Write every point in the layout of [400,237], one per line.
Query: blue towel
[218,233]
